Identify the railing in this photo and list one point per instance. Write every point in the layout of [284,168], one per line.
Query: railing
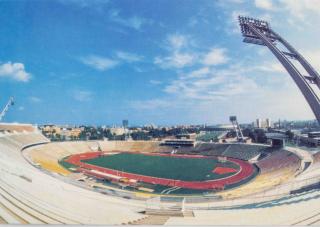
[284,191]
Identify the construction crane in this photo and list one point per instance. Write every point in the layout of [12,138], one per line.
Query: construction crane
[6,108]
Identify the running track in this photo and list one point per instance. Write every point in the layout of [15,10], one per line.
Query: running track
[246,171]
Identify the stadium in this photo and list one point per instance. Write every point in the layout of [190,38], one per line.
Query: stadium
[158,182]
[56,182]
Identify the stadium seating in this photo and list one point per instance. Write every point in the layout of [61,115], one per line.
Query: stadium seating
[279,160]
[136,146]
[31,196]
[316,157]
[28,195]
[208,148]
[277,168]
[243,151]
[239,151]
[11,128]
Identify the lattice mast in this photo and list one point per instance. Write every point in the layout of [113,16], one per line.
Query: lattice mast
[6,108]
[237,128]
[259,32]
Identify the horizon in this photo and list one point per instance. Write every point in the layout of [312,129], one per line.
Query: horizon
[115,125]
[164,63]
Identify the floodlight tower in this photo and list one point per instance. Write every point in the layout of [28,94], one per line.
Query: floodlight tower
[236,128]
[259,32]
[125,124]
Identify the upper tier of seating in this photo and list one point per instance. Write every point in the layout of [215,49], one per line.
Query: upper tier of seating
[6,127]
[239,151]
[205,149]
[243,151]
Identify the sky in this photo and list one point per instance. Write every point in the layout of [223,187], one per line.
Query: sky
[163,62]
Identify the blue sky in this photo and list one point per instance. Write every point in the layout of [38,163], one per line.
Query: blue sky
[149,61]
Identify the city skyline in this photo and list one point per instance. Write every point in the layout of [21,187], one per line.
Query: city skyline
[168,62]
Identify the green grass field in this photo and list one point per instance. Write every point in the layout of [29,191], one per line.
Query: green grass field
[187,169]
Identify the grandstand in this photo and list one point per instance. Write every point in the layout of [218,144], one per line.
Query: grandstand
[14,127]
[241,151]
[31,196]
[35,189]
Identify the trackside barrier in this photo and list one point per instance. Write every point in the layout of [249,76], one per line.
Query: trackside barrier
[215,202]
[158,204]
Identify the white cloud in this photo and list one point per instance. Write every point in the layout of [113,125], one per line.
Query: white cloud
[270,67]
[213,84]
[35,99]
[134,22]
[232,26]
[299,8]
[150,104]
[236,1]
[313,57]
[264,4]
[221,92]
[232,23]
[177,41]
[15,71]
[128,57]
[86,3]
[180,54]
[228,3]
[252,86]
[98,62]
[155,82]
[199,72]
[215,56]
[82,95]
[176,60]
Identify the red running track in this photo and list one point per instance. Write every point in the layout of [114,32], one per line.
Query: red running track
[246,170]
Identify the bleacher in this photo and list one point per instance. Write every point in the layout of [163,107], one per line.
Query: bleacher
[239,151]
[13,127]
[279,160]
[204,149]
[178,143]
[243,151]
[30,196]
[316,157]
[211,148]
[277,168]
[135,146]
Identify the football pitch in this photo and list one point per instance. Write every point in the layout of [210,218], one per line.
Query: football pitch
[169,167]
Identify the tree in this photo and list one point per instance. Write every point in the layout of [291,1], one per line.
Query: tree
[290,134]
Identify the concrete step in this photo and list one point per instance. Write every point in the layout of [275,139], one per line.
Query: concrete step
[57,215]
[2,221]
[164,212]
[20,214]
[188,213]
[151,220]
[28,208]
[9,217]
[313,219]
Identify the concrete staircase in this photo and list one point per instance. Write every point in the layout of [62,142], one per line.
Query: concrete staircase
[151,220]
